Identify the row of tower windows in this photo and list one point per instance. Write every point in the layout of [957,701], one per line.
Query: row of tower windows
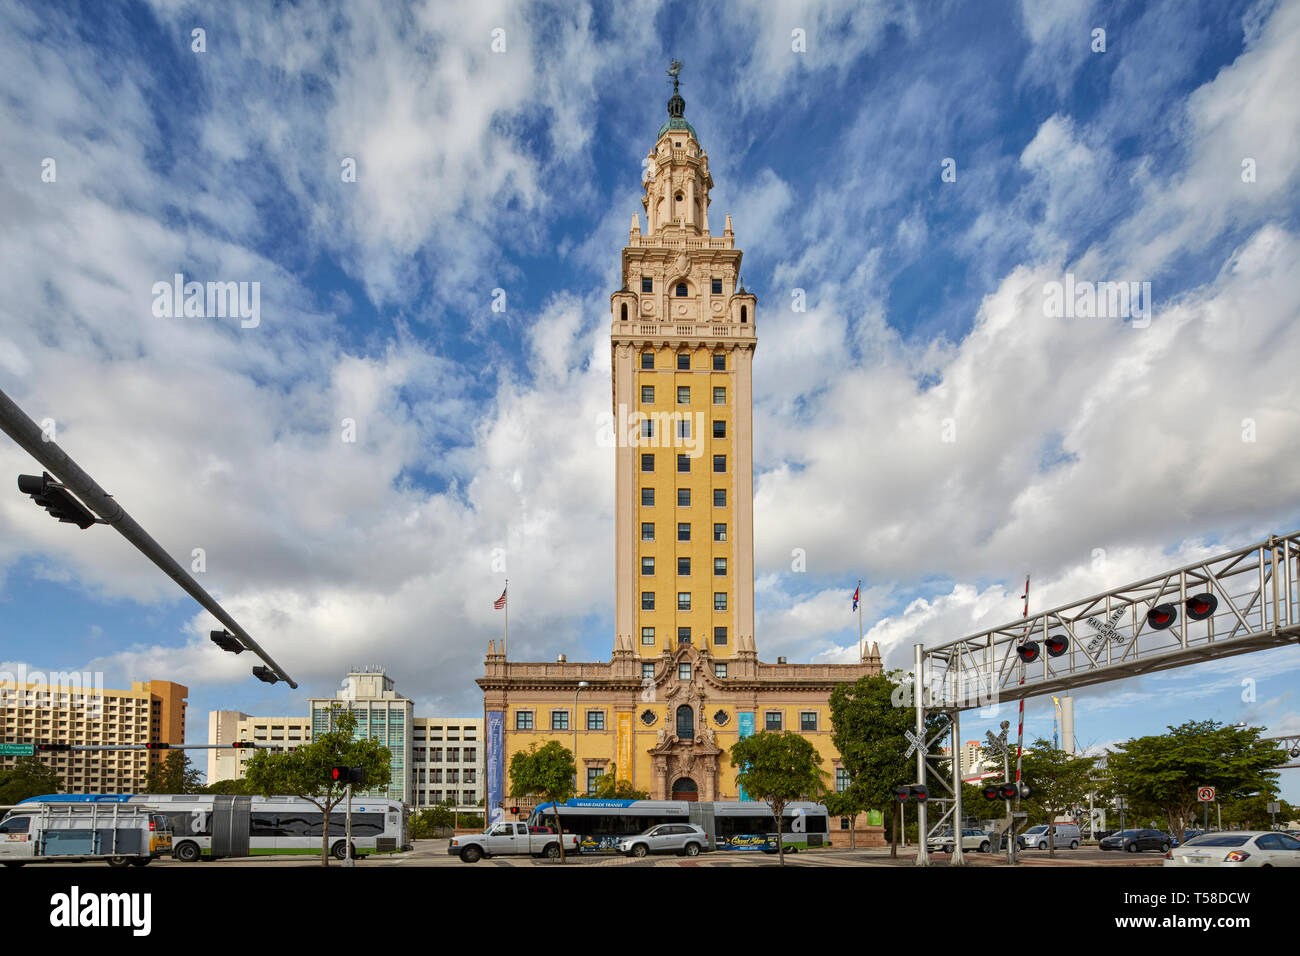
[684,361]
[681,290]
[684,501]
[683,600]
[683,637]
[684,464]
[683,427]
[683,564]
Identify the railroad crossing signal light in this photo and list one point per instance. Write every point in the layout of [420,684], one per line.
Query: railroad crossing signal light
[1028,652]
[54,748]
[345,775]
[55,499]
[1056,644]
[993,792]
[264,673]
[1161,616]
[902,793]
[919,794]
[1201,606]
[1004,791]
[227,642]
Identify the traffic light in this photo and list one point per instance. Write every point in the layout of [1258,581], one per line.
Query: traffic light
[53,748]
[514,811]
[1056,644]
[264,673]
[227,642]
[345,775]
[157,746]
[1161,616]
[55,499]
[243,744]
[1028,652]
[919,794]
[1201,606]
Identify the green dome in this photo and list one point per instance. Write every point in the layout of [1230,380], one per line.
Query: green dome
[678,122]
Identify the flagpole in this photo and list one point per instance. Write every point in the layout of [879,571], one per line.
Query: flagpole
[506,635]
[859,603]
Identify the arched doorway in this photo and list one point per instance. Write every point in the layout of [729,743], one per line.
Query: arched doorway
[685,789]
[686,722]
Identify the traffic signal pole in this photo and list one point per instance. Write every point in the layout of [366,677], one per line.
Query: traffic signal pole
[958,858]
[18,426]
[348,861]
[918,689]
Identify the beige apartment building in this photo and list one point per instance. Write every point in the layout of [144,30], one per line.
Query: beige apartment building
[82,714]
[434,759]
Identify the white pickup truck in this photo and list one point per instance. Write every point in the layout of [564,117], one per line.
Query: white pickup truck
[511,839]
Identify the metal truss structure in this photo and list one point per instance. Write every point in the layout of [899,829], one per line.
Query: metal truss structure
[1291,744]
[1141,628]
[1110,636]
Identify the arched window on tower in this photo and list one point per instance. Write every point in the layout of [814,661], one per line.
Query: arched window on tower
[681,290]
[744,313]
[686,722]
[623,312]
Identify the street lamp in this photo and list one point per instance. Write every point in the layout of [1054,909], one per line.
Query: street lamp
[581,685]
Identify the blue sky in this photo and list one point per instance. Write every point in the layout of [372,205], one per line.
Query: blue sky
[1090,451]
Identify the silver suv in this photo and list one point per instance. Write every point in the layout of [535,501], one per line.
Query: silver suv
[684,838]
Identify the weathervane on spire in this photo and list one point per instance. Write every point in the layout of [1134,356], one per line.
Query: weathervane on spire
[674,68]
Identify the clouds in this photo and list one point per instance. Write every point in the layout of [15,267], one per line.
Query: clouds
[922,424]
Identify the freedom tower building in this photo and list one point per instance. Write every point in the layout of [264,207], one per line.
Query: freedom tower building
[684,681]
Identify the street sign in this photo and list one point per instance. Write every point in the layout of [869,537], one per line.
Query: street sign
[1275,808]
[17,750]
[915,742]
[1121,803]
[1205,794]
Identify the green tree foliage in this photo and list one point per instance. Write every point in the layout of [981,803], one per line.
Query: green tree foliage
[430,820]
[239,787]
[777,767]
[868,719]
[28,777]
[1251,813]
[609,787]
[846,803]
[1058,782]
[173,775]
[1163,771]
[547,772]
[305,772]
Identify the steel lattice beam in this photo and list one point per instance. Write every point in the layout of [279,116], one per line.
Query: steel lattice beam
[1110,638]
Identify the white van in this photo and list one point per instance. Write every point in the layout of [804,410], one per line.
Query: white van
[1065,835]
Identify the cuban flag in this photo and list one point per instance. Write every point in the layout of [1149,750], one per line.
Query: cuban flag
[855,596]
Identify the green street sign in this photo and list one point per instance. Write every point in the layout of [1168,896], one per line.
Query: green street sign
[17,750]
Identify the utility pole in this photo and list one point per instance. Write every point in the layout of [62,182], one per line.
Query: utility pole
[347,827]
[18,426]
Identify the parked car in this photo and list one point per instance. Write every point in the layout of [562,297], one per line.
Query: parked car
[510,839]
[684,838]
[1238,848]
[970,840]
[1135,841]
[1188,835]
[1065,835]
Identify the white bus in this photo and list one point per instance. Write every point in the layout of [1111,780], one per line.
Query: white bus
[215,825]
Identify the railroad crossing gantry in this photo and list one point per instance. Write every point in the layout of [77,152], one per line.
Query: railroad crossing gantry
[1234,603]
[1291,744]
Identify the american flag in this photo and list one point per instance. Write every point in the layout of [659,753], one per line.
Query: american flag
[500,602]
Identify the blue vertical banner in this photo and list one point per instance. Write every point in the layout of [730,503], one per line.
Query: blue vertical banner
[495,764]
[745,725]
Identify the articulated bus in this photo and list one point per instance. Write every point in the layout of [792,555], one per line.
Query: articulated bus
[214,825]
[743,825]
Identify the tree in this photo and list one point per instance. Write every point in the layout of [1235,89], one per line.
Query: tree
[609,787]
[173,775]
[237,787]
[777,767]
[430,820]
[1251,813]
[1057,781]
[868,719]
[547,772]
[305,772]
[1165,771]
[847,803]
[28,777]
